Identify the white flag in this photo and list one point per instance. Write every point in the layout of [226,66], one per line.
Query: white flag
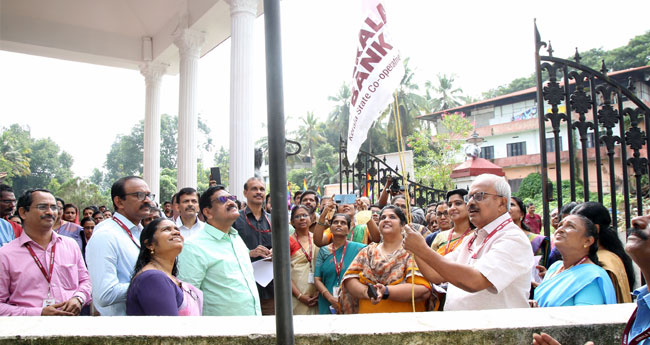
[378,71]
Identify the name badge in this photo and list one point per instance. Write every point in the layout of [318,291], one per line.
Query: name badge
[335,291]
[310,279]
[48,302]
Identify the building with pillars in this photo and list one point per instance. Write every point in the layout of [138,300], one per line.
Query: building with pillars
[154,38]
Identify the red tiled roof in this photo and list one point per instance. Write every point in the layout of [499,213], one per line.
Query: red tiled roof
[475,167]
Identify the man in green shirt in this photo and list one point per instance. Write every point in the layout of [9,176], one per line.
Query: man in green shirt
[216,260]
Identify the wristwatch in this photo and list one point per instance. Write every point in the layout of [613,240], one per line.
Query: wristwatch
[81,300]
[386,294]
[322,223]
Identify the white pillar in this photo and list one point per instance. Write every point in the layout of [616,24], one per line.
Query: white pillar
[189,45]
[152,73]
[242,143]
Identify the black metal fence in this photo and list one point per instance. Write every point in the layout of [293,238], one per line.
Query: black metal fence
[609,122]
[368,176]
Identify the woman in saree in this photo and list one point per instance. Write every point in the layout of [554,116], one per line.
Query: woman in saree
[540,243]
[384,278]
[332,262]
[576,279]
[303,250]
[155,271]
[611,254]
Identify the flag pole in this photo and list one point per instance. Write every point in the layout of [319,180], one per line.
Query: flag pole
[278,173]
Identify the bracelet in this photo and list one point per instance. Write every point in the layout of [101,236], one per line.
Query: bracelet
[80,300]
[300,295]
[322,223]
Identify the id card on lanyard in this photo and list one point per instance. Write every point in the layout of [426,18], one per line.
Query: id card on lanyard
[47,275]
[487,238]
[128,232]
[309,257]
[628,327]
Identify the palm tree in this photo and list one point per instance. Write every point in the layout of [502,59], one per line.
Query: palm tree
[410,105]
[309,133]
[446,92]
[340,115]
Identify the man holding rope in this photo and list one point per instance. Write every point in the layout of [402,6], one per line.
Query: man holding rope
[491,268]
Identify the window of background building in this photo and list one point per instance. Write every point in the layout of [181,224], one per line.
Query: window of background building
[516,149]
[591,138]
[487,152]
[515,184]
[550,144]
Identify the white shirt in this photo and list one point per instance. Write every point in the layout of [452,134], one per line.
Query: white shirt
[189,232]
[111,257]
[505,260]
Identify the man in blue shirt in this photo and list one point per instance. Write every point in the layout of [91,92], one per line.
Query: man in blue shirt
[638,247]
[6,232]
[114,247]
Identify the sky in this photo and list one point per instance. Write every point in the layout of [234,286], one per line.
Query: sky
[484,44]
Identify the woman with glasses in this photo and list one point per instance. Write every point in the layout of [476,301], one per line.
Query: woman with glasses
[384,278]
[577,279]
[332,262]
[154,288]
[303,262]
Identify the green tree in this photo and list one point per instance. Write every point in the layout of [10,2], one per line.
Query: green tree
[339,116]
[15,148]
[47,163]
[126,154]
[308,134]
[435,157]
[81,192]
[448,94]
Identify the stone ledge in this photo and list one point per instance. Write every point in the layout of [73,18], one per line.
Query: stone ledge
[570,325]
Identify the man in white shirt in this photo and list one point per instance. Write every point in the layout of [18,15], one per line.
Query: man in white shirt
[491,268]
[188,221]
[115,245]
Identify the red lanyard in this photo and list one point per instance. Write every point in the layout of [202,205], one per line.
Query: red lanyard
[338,266]
[47,276]
[499,227]
[119,222]
[626,333]
[311,243]
[256,229]
[459,239]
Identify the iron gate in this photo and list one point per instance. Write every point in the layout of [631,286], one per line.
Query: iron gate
[606,115]
[370,172]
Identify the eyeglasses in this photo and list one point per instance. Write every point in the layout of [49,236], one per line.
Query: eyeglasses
[45,207]
[301,216]
[8,201]
[142,195]
[478,196]
[440,214]
[224,199]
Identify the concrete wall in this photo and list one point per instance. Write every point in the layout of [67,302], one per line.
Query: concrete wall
[570,325]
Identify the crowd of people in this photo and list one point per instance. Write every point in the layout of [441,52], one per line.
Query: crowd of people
[478,249]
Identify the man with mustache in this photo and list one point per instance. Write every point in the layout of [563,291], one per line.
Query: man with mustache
[638,326]
[7,209]
[115,245]
[491,267]
[41,272]
[216,260]
[188,206]
[254,227]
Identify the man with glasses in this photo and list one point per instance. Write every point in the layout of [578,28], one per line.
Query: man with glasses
[254,226]
[8,207]
[216,260]
[491,267]
[41,272]
[115,245]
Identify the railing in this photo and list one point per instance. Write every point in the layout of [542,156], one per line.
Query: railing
[598,108]
[368,176]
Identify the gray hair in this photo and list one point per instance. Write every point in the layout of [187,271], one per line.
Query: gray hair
[500,184]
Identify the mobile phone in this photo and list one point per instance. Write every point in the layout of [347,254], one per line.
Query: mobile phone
[343,199]
[215,174]
[372,292]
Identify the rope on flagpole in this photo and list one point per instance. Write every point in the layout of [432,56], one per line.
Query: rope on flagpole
[402,160]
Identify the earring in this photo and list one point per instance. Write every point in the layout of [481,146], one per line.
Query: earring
[152,252]
[586,246]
